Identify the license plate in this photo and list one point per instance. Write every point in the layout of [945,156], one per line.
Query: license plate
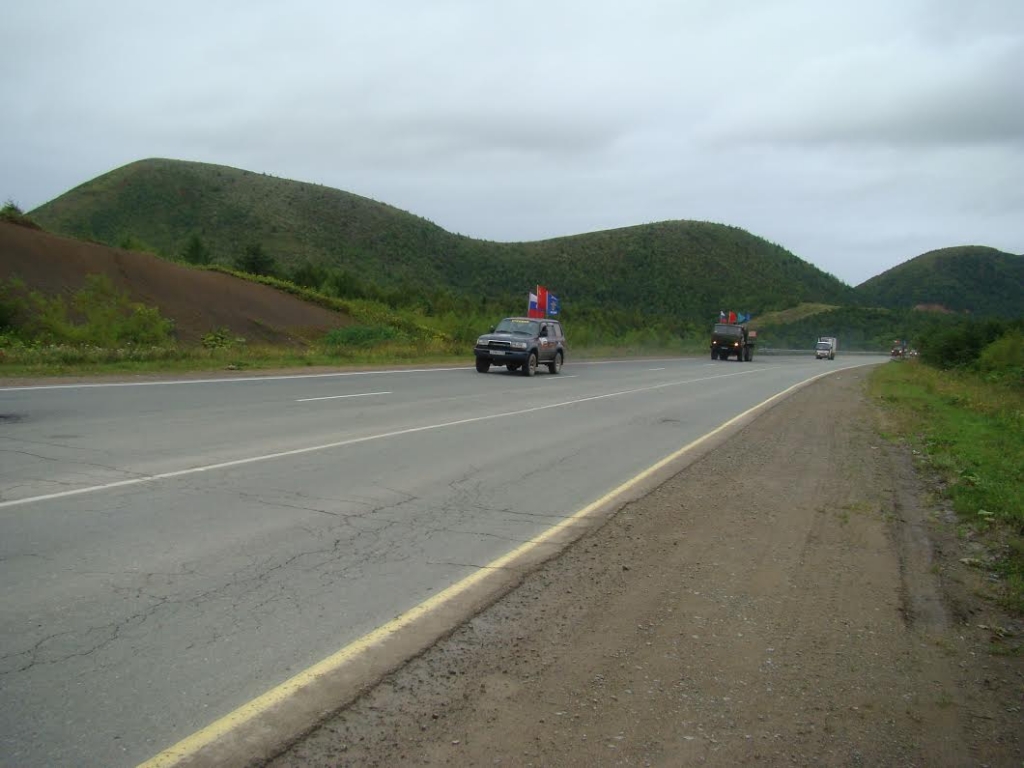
[497,351]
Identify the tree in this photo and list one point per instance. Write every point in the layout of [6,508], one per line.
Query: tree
[255,261]
[196,251]
[10,208]
[10,212]
[309,275]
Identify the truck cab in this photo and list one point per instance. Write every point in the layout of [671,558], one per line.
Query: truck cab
[825,348]
[729,339]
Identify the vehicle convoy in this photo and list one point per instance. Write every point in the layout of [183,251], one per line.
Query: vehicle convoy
[729,339]
[521,344]
[825,348]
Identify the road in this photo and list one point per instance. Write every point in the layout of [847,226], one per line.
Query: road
[793,595]
[172,550]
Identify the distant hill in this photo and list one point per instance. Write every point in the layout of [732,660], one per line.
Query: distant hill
[198,301]
[680,269]
[969,279]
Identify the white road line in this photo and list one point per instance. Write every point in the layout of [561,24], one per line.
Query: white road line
[655,369]
[171,382]
[186,750]
[339,397]
[353,441]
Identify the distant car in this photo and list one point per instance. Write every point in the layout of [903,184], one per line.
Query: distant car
[521,344]
[824,350]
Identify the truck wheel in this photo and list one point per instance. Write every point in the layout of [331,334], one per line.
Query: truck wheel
[714,354]
[555,366]
[530,366]
[482,365]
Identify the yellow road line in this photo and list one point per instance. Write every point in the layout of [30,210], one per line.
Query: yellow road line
[188,747]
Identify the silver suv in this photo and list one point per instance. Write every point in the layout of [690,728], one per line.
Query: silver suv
[521,344]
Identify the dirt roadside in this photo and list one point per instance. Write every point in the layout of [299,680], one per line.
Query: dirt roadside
[793,598]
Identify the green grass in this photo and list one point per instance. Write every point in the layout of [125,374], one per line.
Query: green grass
[791,315]
[55,362]
[42,361]
[971,433]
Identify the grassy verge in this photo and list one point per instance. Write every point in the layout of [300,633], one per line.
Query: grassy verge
[55,362]
[970,432]
[371,345]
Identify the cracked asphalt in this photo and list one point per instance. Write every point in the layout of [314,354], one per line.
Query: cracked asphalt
[795,597]
[136,615]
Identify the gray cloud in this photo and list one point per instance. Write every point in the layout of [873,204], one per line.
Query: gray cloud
[855,135]
[897,94]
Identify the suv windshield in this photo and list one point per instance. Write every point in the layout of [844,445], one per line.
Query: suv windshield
[510,325]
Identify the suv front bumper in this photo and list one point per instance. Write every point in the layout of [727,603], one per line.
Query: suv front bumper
[501,356]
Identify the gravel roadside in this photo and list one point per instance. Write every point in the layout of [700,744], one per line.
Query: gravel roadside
[790,598]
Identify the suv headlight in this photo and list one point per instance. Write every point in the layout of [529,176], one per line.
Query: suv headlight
[481,341]
[519,345]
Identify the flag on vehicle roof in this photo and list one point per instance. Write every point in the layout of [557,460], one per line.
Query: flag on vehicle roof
[552,304]
[539,303]
[532,309]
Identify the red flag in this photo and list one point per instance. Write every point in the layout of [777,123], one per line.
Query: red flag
[542,300]
[732,317]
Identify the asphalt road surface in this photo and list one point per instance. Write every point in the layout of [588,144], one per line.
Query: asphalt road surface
[172,550]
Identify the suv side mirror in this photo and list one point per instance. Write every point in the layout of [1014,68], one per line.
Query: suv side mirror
[544,331]
[492,329]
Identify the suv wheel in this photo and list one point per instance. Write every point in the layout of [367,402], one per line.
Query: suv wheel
[555,366]
[530,366]
[482,365]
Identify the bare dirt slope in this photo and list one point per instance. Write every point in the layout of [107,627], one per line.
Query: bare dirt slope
[197,301]
[791,598]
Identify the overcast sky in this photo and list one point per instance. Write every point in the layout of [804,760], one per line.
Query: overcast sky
[855,134]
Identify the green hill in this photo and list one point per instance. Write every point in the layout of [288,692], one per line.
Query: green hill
[159,205]
[683,270]
[966,279]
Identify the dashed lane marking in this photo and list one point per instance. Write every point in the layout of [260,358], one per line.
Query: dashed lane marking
[189,747]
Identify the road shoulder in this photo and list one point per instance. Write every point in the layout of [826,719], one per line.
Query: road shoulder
[792,596]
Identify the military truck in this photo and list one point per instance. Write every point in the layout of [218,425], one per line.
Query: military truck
[729,339]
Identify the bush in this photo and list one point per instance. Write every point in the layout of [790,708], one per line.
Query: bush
[1003,359]
[98,315]
[360,336]
[959,346]
[10,212]
[12,304]
[221,338]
